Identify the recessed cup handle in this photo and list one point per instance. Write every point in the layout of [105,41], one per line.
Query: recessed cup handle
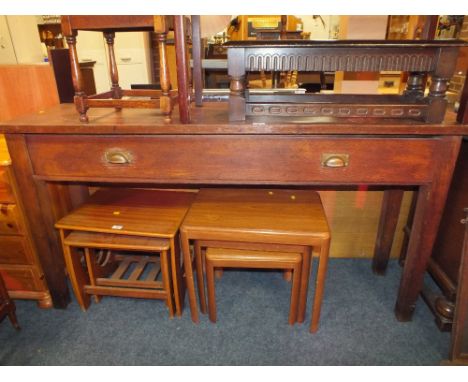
[335,160]
[118,157]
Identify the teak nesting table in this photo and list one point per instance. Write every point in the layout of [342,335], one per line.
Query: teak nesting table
[152,216]
[271,220]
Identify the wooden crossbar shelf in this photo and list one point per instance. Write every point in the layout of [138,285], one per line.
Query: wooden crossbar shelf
[144,271]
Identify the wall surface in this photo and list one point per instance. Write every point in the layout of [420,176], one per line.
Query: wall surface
[25,38]
[7,50]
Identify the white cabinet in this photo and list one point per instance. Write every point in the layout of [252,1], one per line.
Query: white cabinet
[91,47]
[19,40]
[7,51]
[132,54]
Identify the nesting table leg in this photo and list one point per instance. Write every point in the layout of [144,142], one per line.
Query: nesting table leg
[306,264]
[78,277]
[295,288]
[91,271]
[166,281]
[189,276]
[210,284]
[319,285]
[200,281]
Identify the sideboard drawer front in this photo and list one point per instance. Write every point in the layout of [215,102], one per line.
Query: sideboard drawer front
[14,250]
[9,219]
[235,159]
[6,193]
[22,279]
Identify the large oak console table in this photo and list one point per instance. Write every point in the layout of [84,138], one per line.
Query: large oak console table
[54,155]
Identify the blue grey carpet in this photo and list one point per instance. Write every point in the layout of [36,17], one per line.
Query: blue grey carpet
[357,327]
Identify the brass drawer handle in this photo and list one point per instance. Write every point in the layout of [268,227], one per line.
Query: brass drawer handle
[335,160]
[118,157]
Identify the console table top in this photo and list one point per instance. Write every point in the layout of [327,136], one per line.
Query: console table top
[344,43]
[212,118]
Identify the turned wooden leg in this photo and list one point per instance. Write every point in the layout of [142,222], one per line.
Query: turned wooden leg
[114,74]
[415,84]
[197,60]
[389,213]
[160,29]
[438,102]
[80,98]
[236,72]
[183,78]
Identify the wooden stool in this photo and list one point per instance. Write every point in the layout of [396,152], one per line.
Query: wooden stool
[163,99]
[118,266]
[231,258]
[138,220]
[258,219]
[7,305]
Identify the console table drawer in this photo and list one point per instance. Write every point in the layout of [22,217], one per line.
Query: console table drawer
[236,159]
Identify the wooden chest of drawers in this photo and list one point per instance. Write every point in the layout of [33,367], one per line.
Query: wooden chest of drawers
[19,264]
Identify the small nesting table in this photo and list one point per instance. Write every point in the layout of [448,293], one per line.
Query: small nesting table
[251,219]
[133,215]
[135,272]
[232,258]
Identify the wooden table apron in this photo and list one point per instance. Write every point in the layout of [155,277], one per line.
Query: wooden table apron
[237,159]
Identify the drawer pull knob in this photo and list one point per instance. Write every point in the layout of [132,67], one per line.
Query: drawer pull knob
[118,157]
[335,160]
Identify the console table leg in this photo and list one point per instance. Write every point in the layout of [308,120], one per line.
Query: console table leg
[429,208]
[459,342]
[390,211]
